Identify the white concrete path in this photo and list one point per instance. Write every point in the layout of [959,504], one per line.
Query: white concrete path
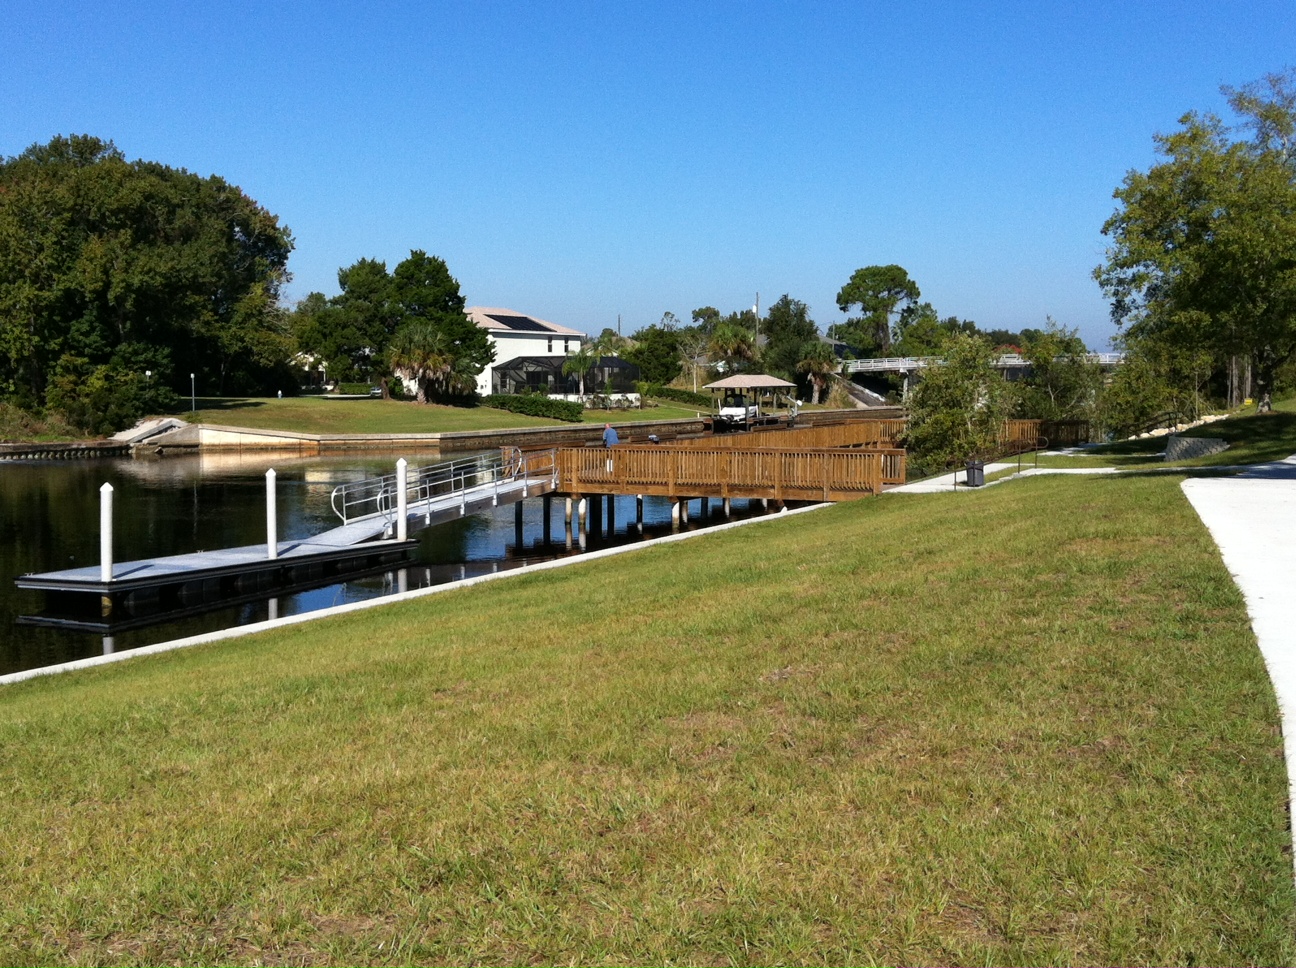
[946,482]
[1252,518]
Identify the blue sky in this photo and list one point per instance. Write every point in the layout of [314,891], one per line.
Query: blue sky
[583,160]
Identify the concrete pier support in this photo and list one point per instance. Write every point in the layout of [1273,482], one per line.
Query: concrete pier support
[582,515]
[684,510]
[675,513]
[272,517]
[639,512]
[728,511]
[567,518]
[106,532]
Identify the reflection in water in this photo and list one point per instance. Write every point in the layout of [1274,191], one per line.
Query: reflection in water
[49,519]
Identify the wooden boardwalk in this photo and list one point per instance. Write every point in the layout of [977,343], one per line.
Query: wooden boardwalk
[727,472]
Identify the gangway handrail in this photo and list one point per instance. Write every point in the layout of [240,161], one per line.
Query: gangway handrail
[376,496]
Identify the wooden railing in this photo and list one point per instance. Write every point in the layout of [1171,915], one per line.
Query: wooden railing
[790,474]
[856,433]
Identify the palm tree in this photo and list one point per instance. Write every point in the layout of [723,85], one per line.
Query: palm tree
[733,344]
[581,362]
[818,361]
[420,352]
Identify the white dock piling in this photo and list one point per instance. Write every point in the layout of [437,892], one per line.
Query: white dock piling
[106,532]
[402,499]
[272,517]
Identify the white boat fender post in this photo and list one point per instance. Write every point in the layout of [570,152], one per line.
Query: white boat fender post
[272,517]
[106,532]
[402,499]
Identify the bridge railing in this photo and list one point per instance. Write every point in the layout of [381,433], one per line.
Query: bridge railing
[378,495]
[854,433]
[790,474]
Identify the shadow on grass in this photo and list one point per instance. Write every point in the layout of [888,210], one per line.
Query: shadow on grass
[227,403]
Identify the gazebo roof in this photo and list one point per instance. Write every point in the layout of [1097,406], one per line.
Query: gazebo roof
[750,381]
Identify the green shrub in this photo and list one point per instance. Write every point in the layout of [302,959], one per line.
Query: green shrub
[687,397]
[103,399]
[353,389]
[535,405]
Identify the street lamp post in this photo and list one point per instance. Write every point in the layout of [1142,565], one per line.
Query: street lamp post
[193,394]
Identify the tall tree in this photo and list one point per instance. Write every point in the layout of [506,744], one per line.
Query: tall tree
[1062,383]
[428,300]
[656,351]
[958,407]
[878,292]
[98,253]
[1203,252]
[787,329]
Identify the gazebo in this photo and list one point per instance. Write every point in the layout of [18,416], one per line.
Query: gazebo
[743,395]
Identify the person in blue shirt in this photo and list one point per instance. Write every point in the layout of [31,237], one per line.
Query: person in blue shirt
[610,438]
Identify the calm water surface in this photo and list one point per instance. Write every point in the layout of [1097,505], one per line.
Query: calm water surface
[49,520]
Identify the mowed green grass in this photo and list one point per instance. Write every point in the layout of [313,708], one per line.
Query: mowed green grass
[315,415]
[1026,725]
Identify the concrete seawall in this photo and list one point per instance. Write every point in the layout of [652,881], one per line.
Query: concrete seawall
[217,437]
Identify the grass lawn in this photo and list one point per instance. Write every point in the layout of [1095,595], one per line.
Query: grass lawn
[1025,725]
[315,415]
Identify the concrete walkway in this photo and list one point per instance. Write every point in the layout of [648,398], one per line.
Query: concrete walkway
[946,482]
[1252,518]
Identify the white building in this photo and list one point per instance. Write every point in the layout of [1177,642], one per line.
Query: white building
[528,351]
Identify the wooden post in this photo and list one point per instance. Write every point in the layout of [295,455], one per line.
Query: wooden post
[402,499]
[517,524]
[547,503]
[106,532]
[272,517]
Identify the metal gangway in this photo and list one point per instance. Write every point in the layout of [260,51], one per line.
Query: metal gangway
[441,492]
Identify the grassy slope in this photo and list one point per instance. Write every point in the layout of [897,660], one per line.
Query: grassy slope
[313,415]
[1027,725]
[1253,438]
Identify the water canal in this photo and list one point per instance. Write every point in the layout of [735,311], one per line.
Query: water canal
[49,520]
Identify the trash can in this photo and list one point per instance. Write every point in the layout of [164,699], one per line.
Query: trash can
[975,473]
